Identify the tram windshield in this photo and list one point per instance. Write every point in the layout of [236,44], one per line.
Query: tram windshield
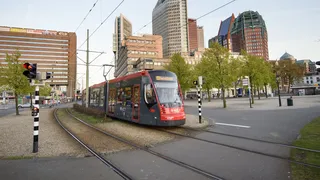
[168,94]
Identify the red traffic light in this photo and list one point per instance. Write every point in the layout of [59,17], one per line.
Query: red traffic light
[31,71]
[35,110]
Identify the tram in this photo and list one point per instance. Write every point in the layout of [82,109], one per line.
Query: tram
[146,97]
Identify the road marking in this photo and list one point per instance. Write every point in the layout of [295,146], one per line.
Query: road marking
[224,124]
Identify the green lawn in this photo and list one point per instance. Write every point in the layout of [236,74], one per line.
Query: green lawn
[309,138]
[85,117]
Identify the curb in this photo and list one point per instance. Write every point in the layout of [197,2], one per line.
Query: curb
[195,122]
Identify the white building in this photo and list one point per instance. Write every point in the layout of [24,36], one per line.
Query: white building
[169,19]
[312,79]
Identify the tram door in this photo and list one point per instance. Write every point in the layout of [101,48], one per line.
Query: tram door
[136,103]
[112,98]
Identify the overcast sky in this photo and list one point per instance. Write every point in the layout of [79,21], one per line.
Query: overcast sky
[292,25]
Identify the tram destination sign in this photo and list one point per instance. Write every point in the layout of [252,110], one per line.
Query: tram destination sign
[164,78]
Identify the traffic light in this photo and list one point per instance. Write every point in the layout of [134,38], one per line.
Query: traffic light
[31,72]
[195,83]
[203,80]
[48,75]
[35,111]
[318,63]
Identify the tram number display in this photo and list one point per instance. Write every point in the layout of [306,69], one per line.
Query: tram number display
[164,78]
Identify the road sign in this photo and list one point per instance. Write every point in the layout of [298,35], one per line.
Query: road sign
[245,82]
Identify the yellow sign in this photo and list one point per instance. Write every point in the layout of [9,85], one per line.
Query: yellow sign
[164,78]
[18,30]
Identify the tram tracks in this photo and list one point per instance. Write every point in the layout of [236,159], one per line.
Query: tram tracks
[117,170]
[245,149]
[132,144]
[252,139]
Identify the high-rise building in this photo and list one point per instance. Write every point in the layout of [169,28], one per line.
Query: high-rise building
[137,47]
[249,33]
[193,34]
[224,35]
[169,19]
[213,40]
[200,35]
[122,29]
[53,51]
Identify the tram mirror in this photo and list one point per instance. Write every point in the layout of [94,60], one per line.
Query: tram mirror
[149,95]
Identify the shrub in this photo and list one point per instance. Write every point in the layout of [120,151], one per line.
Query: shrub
[89,111]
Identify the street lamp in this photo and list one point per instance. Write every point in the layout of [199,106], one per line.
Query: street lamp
[278,82]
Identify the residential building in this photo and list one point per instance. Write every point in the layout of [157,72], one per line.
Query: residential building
[224,34]
[135,47]
[193,34]
[122,29]
[200,35]
[169,20]
[52,51]
[249,33]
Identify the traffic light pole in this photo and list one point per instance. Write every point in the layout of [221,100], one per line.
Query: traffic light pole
[199,97]
[36,122]
[199,103]
[32,75]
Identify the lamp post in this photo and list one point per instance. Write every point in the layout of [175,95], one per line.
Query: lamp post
[278,82]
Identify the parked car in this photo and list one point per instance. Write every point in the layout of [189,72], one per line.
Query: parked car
[27,105]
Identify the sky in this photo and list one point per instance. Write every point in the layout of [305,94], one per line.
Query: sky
[291,24]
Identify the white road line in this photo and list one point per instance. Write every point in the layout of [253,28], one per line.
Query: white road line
[224,124]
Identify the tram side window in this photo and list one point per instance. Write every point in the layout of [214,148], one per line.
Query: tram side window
[149,95]
[119,95]
[128,95]
[101,96]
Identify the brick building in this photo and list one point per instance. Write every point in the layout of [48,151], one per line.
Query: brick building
[53,51]
[249,33]
[193,34]
[137,47]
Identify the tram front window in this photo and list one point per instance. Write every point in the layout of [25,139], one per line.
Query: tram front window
[168,94]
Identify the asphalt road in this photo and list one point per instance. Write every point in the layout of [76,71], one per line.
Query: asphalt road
[11,109]
[56,168]
[279,125]
[272,123]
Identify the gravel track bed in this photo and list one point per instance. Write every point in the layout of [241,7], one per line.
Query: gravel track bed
[142,135]
[16,137]
[96,140]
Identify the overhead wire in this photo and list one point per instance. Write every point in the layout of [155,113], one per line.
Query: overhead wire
[86,15]
[96,31]
[98,26]
[101,23]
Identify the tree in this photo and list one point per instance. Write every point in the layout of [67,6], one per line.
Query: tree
[182,70]
[11,76]
[269,77]
[255,69]
[45,90]
[204,69]
[237,66]
[219,61]
[289,72]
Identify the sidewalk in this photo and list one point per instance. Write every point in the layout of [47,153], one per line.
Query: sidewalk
[16,136]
